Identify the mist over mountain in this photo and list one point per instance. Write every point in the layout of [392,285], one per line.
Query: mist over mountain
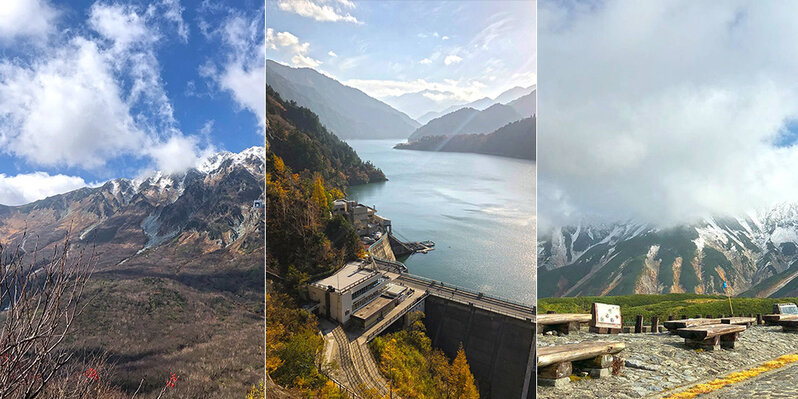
[473,121]
[345,111]
[424,102]
[503,98]
[757,254]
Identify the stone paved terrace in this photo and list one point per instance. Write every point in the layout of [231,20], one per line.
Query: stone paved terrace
[660,362]
[780,383]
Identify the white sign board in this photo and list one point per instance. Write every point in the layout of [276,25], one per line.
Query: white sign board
[606,316]
[787,308]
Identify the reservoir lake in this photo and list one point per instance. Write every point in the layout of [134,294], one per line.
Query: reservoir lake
[478,209]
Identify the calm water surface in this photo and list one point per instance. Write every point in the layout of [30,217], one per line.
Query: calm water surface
[478,209]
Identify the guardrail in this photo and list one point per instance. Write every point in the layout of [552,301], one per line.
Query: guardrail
[467,290]
[341,387]
[394,318]
[453,289]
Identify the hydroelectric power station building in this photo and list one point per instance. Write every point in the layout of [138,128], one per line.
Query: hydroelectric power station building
[356,295]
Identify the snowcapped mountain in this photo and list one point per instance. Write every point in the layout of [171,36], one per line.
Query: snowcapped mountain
[209,207]
[756,254]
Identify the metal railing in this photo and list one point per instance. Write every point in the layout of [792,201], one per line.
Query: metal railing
[394,318]
[467,290]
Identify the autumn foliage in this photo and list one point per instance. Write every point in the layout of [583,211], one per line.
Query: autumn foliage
[416,370]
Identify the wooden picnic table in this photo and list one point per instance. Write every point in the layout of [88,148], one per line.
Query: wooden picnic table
[561,322]
[789,325]
[709,336]
[776,319]
[548,355]
[673,325]
[743,321]
[556,363]
[560,318]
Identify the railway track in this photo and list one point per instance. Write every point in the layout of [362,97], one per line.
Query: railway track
[345,360]
[368,366]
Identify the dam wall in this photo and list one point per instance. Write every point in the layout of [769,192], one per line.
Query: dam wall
[382,249]
[499,348]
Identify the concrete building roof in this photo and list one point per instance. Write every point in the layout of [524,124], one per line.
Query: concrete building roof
[394,290]
[349,275]
[372,308]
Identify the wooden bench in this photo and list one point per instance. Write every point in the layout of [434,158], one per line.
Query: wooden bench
[743,321]
[781,312]
[711,336]
[556,363]
[562,323]
[673,325]
[789,325]
[776,319]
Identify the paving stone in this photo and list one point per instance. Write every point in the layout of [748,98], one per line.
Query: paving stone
[665,363]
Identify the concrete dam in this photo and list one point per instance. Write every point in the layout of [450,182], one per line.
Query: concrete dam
[498,336]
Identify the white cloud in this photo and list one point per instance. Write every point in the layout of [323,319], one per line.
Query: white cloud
[66,110]
[179,153]
[123,25]
[332,53]
[317,10]
[207,128]
[461,90]
[665,112]
[29,187]
[173,12]
[452,59]
[86,100]
[445,38]
[31,18]
[425,61]
[297,51]
[243,73]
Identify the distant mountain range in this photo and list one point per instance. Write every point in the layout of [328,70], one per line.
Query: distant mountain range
[756,254]
[345,111]
[481,104]
[473,121]
[515,140]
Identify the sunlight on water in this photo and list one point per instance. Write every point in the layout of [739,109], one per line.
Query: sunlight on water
[478,209]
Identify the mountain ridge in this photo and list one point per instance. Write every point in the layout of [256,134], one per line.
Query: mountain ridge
[347,112]
[514,140]
[480,104]
[756,254]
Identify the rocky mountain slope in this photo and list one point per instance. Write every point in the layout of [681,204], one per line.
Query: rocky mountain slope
[124,218]
[756,254]
[178,278]
[345,111]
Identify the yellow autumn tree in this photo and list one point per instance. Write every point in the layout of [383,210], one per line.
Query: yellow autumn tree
[461,381]
[336,193]
[319,195]
[274,334]
[279,165]
[257,391]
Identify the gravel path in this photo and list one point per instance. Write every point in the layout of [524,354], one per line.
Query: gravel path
[660,362]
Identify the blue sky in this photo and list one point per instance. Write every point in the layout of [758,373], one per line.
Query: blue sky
[94,90]
[464,50]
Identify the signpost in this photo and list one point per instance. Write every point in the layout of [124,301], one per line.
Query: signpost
[605,319]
